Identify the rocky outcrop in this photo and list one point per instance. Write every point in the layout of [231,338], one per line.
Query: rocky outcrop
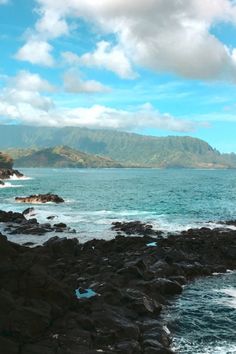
[17,223]
[7,173]
[40,198]
[134,228]
[129,283]
[2,183]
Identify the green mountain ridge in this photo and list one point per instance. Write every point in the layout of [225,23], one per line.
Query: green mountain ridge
[127,148]
[59,157]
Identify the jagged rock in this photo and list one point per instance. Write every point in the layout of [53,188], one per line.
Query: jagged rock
[40,198]
[10,216]
[6,173]
[39,310]
[18,224]
[28,211]
[134,228]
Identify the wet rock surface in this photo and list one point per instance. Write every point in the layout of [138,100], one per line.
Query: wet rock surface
[6,173]
[134,228]
[40,198]
[132,282]
[17,223]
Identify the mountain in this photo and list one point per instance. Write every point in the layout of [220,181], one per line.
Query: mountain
[130,149]
[5,161]
[60,156]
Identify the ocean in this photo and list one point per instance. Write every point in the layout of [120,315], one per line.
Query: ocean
[203,318]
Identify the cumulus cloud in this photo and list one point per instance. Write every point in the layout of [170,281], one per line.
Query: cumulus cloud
[73,83]
[25,90]
[32,98]
[28,81]
[25,108]
[163,35]
[99,116]
[51,25]
[23,99]
[36,51]
[105,56]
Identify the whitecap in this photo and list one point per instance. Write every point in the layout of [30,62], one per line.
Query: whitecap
[9,185]
[186,348]
[14,177]
[230,299]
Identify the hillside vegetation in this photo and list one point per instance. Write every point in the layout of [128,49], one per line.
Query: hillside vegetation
[60,156]
[129,149]
[5,161]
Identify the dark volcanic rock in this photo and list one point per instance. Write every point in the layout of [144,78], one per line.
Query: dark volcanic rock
[18,224]
[134,228]
[40,198]
[2,183]
[39,311]
[28,211]
[230,223]
[11,217]
[6,173]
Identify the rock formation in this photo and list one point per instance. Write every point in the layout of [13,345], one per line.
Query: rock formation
[40,198]
[130,282]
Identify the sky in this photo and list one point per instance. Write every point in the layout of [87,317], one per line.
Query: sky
[156,67]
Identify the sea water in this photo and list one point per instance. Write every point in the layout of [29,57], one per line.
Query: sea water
[171,200]
[203,318]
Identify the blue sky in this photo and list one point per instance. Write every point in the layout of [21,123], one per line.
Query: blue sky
[156,67]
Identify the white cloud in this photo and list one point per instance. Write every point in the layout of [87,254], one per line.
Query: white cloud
[34,99]
[105,56]
[96,116]
[24,90]
[27,81]
[22,100]
[50,25]
[74,84]
[102,116]
[36,51]
[163,35]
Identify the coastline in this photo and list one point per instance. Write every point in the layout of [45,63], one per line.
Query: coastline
[133,279]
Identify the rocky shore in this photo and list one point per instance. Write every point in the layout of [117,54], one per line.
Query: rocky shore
[7,173]
[17,223]
[101,296]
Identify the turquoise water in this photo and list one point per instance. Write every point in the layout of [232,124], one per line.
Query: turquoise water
[203,319]
[171,200]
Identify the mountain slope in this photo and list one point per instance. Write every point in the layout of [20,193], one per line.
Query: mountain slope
[130,149]
[5,161]
[60,156]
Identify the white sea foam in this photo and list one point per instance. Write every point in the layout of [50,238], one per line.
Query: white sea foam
[9,185]
[230,299]
[222,348]
[14,177]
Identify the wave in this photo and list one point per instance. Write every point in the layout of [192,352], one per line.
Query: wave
[187,348]
[14,177]
[104,217]
[230,299]
[9,185]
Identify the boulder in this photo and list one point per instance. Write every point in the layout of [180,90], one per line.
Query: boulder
[40,198]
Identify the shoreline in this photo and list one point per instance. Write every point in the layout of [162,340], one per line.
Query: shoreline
[133,279]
